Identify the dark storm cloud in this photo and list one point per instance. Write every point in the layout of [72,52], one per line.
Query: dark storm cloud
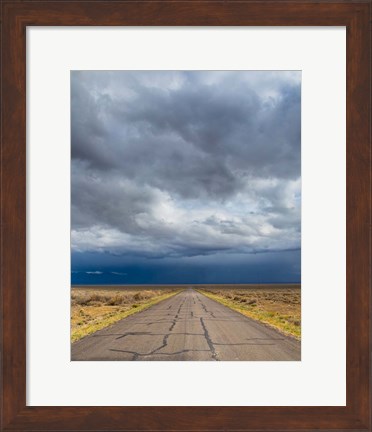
[185,163]
[283,267]
[213,134]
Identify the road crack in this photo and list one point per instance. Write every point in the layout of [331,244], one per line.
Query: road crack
[207,311]
[209,340]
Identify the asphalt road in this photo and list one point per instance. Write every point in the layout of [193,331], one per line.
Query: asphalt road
[188,326]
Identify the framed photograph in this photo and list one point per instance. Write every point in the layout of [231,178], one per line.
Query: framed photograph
[186,215]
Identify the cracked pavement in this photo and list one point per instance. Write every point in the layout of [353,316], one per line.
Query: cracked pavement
[187,326]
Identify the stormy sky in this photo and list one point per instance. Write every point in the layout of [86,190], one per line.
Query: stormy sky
[185,177]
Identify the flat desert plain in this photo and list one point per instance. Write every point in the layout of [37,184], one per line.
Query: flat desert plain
[193,322]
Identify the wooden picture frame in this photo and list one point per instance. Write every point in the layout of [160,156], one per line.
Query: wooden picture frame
[16,16]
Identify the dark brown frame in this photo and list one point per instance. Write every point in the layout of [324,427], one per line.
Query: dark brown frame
[16,16]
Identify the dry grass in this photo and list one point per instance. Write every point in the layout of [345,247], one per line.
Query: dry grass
[278,306]
[95,308]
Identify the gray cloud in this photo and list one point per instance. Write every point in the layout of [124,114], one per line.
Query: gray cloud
[185,163]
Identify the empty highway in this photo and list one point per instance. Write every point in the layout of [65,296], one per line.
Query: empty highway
[187,326]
